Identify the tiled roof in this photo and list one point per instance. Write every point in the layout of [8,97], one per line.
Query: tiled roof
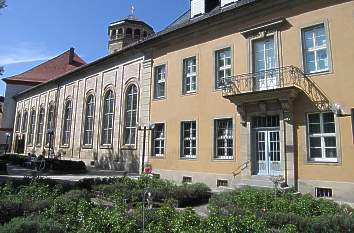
[62,64]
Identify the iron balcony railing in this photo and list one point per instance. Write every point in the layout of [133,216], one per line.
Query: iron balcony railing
[278,78]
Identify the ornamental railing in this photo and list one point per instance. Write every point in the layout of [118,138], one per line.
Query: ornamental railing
[278,78]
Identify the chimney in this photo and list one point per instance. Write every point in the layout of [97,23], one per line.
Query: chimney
[71,56]
[200,7]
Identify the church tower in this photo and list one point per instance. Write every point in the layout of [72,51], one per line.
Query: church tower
[127,31]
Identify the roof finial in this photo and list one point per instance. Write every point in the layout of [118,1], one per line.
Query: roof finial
[132,9]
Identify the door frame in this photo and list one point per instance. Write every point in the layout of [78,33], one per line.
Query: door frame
[267,131]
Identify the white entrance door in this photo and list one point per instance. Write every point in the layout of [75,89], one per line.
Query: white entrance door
[264,59]
[267,161]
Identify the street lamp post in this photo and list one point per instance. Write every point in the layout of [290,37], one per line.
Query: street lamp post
[7,142]
[144,129]
[50,133]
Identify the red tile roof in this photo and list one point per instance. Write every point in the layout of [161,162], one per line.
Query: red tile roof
[60,65]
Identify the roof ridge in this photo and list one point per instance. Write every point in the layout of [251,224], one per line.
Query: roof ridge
[41,64]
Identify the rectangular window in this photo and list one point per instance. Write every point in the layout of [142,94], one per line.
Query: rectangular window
[188,140]
[223,142]
[315,49]
[159,140]
[323,192]
[187,180]
[189,75]
[160,81]
[222,183]
[223,69]
[322,137]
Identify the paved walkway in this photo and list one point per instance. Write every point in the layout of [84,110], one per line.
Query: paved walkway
[17,172]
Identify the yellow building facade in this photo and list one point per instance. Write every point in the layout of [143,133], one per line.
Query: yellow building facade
[256,91]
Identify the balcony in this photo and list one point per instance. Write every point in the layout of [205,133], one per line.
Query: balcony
[278,83]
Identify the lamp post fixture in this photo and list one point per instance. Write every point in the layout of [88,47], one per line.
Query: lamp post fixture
[50,133]
[144,129]
[8,135]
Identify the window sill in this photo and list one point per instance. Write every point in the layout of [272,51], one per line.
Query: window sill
[223,160]
[106,147]
[192,159]
[189,93]
[318,73]
[323,162]
[159,98]
[87,147]
[128,147]
[64,146]
[157,157]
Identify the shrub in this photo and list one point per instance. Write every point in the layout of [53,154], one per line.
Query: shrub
[187,222]
[15,159]
[32,225]
[191,194]
[62,166]
[3,168]
[9,210]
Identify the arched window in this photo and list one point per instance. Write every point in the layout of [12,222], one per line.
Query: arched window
[89,118]
[120,32]
[129,32]
[24,122]
[113,34]
[107,121]
[145,34]
[137,34]
[67,123]
[131,110]
[18,122]
[50,123]
[32,127]
[40,127]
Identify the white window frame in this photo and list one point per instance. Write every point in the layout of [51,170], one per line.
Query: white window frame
[191,76]
[32,126]
[131,126]
[65,141]
[159,143]
[50,123]
[224,68]
[107,115]
[89,120]
[24,122]
[322,136]
[40,126]
[316,49]
[160,80]
[224,138]
[18,122]
[190,138]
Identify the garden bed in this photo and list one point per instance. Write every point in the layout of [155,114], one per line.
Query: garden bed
[42,205]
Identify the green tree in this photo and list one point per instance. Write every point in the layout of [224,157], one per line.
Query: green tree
[2,4]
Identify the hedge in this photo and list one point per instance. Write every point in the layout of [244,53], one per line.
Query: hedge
[55,165]
[3,168]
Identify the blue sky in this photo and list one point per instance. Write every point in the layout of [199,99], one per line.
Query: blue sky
[33,31]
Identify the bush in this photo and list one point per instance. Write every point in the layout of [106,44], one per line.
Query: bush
[15,159]
[191,194]
[32,225]
[3,168]
[62,166]
[10,210]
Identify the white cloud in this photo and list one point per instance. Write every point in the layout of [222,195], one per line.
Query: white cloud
[23,53]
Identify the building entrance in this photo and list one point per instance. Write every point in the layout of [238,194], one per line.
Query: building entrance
[266,141]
